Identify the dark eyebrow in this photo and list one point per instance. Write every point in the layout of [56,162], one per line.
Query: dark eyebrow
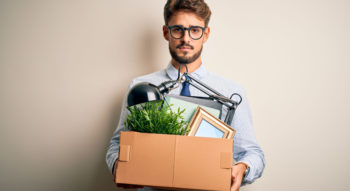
[196,26]
[188,27]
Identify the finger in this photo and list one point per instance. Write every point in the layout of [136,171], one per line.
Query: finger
[129,186]
[232,181]
[125,186]
[236,184]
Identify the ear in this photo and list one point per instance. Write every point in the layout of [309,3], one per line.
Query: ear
[206,34]
[165,33]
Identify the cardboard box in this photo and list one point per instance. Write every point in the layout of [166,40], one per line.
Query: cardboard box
[174,161]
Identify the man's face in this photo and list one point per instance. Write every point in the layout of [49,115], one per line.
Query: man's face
[185,50]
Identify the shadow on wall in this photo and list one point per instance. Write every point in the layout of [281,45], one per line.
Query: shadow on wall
[145,51]
[151,51]
[103,178]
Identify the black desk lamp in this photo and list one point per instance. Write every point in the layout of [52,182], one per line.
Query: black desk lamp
[145,92]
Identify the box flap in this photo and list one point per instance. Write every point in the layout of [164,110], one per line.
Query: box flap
[124,153]
[225,160]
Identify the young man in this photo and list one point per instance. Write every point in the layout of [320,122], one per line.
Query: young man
[186,29]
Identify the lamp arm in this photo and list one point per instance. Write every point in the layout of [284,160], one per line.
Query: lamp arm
[228,102]
[204,85]
[167,86]
[217,98]
[216,95]
[230,114]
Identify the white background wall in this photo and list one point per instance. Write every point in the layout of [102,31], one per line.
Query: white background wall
[65,66]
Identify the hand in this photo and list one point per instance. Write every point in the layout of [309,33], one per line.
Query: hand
[128,186]
[125,186]
[237,176]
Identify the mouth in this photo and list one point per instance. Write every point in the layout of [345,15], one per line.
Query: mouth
[185,48]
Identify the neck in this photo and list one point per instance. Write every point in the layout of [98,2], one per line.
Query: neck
[190,66]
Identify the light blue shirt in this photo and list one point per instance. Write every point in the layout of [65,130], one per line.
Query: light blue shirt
[245,147]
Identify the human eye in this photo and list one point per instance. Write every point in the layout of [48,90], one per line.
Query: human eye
[195,30]
[177,29]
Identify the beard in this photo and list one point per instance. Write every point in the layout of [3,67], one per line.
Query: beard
[184,59]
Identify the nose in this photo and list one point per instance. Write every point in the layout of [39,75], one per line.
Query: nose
[186,36]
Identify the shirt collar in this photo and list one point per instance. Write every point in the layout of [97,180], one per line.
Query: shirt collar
[199,73]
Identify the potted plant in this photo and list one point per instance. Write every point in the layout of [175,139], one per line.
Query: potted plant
[156,117]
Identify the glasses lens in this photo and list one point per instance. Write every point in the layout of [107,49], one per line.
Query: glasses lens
[177,32]
[196,32]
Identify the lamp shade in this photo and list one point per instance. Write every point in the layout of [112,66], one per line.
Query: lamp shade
[143,92]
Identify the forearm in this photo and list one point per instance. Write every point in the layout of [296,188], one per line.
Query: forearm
[256,163]
[113,150]
[247,150]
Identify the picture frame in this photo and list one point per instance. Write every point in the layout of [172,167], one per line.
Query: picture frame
[203,124]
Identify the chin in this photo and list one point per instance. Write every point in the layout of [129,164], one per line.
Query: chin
[185,55]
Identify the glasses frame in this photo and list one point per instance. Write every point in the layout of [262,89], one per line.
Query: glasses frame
[184,30]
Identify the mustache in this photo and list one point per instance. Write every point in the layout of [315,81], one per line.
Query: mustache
[184,44]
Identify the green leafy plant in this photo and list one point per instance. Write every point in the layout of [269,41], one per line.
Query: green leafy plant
[152,117]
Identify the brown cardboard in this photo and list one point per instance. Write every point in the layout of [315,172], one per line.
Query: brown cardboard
[174,161]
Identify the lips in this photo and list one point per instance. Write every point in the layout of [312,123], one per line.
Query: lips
[184,46]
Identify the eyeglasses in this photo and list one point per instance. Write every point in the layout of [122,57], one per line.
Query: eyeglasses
[178,31]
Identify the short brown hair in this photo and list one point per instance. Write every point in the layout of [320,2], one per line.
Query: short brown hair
[199,7]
